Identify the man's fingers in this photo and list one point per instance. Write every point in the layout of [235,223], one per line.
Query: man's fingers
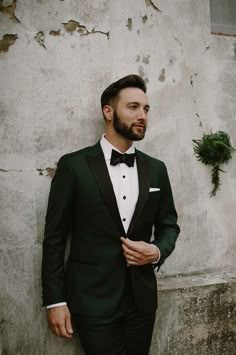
[139,252]
[130,252]
[60,330]
[69,328]
[63,331]
[60,321]
[130,244]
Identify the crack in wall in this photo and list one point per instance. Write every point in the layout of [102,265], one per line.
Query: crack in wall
[177,40]
[72,26]
[151,3]
[191,79]
[10,170]
[42,172]
[55,33]
[7,41]
[9,10]
[223,34]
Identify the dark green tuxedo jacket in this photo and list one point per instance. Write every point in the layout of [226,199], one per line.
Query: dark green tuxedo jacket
[82,202]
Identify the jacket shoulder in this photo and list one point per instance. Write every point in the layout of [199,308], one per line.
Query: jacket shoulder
[79,154]
[151,160]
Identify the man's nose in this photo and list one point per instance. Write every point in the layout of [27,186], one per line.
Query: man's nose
[142,114]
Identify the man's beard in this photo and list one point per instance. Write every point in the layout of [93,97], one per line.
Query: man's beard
[127,131]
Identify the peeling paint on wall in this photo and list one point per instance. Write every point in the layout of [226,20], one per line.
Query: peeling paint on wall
[72,26]
[145,18]
[9,10]
[162,76]
[7,41]
[142,74]
[141,71]
[191,79]
[50,171]
[151,3]
[129,24]
[40,38]
[146,59]
[47,172]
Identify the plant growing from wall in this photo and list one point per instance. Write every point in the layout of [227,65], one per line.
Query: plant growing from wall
[214,149]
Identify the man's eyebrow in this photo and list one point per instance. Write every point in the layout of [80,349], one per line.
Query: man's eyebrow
[137,103]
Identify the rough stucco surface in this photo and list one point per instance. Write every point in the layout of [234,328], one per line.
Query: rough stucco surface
[197,315]
[59,57]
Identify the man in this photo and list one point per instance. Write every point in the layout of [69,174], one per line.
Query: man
[110,197]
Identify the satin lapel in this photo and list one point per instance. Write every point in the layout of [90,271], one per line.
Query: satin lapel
[99,168]
[144,184]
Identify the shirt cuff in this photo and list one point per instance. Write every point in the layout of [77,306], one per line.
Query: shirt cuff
[156,261]
[56,305]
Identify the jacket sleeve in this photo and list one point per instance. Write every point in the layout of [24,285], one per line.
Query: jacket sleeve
[58,219]
[166,227]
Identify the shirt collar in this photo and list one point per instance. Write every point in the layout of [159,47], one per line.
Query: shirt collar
[107,148]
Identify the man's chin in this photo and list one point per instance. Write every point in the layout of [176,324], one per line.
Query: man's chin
[138,133]
[138,137]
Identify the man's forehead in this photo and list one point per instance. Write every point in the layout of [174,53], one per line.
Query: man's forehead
[133,94]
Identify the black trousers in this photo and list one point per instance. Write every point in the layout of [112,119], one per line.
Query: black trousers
[128,332]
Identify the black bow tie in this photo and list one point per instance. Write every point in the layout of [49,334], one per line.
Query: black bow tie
[117,158]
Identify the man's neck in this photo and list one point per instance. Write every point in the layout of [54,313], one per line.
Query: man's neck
[119,142]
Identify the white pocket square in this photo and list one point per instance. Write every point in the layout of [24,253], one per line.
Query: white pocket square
[153,189]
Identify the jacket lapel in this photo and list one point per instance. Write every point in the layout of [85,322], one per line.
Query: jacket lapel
[144,184]
[99,168]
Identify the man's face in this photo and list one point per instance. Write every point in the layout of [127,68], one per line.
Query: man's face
[130,115]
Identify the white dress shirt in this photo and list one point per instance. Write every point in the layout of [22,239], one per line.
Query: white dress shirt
[124,181]
[125,185]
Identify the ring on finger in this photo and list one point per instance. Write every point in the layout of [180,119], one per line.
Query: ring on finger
[132,258]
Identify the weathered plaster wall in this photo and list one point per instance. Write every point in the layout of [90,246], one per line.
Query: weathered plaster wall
[56,57]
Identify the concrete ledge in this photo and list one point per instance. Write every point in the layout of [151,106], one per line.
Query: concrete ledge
[197,315]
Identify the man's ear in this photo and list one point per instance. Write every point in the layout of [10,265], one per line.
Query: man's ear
[108,112]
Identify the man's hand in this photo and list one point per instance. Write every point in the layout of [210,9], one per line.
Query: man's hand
[59,320]
[139,253]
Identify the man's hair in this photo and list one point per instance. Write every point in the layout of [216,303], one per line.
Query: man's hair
[110,94]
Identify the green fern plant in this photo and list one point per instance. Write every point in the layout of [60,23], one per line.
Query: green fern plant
[214,149]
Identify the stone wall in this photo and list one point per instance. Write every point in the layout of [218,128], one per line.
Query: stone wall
[56,57]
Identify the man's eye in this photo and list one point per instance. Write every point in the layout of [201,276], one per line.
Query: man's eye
[133,107]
